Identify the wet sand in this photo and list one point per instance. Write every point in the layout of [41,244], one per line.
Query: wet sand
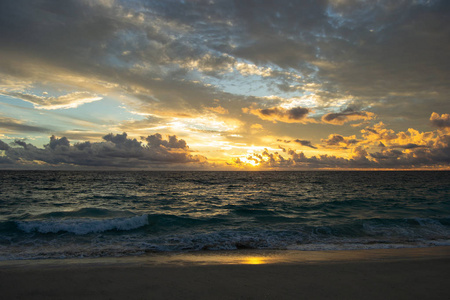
[422,273]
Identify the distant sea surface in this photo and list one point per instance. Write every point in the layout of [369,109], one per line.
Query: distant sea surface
[65,214]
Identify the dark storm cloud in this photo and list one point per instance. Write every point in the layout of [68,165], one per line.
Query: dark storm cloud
[117,150]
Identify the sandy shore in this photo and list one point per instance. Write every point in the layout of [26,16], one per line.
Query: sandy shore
[422,273]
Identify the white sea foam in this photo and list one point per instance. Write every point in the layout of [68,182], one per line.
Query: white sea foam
[84,226]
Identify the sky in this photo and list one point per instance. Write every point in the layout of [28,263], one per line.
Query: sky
[225,85]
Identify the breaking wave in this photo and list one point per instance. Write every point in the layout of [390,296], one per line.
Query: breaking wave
[83,226]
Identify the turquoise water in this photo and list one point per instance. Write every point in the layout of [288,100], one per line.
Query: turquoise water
[63,214]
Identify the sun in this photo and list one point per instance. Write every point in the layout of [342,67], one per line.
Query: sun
[250,161]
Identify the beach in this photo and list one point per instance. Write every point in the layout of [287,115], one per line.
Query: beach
[224,235]
[409,273]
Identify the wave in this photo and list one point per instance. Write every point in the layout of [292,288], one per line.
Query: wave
[86,212]
[180,235]
[139,234]
[83,226]
[94,220]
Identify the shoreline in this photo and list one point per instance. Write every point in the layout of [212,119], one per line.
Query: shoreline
[406,273]
[243,256]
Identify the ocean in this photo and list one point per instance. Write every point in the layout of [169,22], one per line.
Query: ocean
[82,214]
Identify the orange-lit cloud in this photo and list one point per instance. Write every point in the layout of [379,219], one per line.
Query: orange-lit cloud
[218,109]
[256,126]
[347,116]
[377,148]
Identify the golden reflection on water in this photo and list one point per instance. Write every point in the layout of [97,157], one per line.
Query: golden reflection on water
[254,260]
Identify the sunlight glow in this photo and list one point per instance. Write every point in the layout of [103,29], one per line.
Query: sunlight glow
[221,95]
[254,261]
[208,123]
[248,160]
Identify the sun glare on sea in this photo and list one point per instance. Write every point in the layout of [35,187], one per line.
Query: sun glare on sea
[254,261]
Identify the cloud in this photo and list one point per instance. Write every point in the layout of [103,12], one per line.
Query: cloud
[337,140]
[347,116]
[14,125]
[298,160]
[115,151]
[278,33]
[359,158]
[378,132]
[88,54]
[378,148]
[3,145]
[387,154]
[409,146]
[359,49]
[440,121]
[218,109]
[171,58]
[251,69]
[206,124]
[134,45]
[72,100]
[156,141]
[396,41]
[305,143]
[211,64]
[291,115]
[408,139]
[256,126]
